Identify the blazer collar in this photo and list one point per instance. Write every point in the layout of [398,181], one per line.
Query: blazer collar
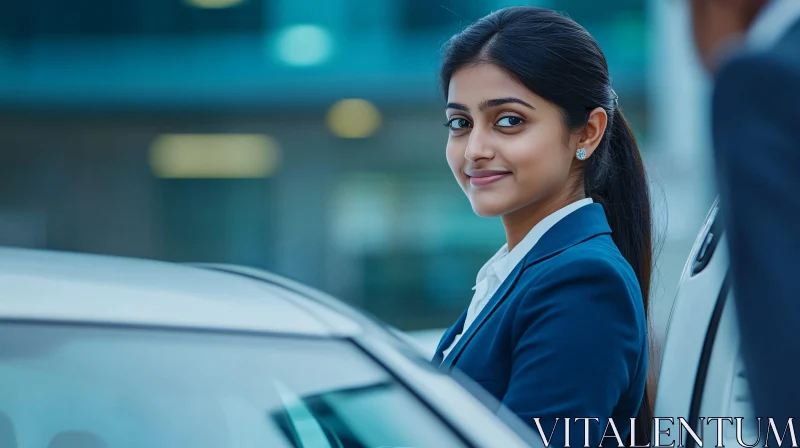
[772,23]
[583,224]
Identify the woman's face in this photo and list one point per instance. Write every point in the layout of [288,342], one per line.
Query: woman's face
[508,147]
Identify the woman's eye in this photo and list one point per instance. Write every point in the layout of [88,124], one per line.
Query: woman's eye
[458,123]
[509,121]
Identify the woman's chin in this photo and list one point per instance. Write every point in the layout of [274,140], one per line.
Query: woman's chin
[487,210]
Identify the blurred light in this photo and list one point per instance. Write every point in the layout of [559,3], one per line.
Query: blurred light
[214,4]
[214,156]
[304,45]
[354,118]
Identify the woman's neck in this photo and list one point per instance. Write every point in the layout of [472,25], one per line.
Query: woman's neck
[520,222]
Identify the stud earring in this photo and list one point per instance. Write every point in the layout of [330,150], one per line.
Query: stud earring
[581,154]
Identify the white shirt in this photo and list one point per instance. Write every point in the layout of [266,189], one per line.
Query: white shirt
[772,22]
[497,269]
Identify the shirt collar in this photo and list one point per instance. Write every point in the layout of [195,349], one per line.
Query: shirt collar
[772,23]
[504,265]
[489,266]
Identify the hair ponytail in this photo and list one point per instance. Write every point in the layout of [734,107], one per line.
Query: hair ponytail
[617,179]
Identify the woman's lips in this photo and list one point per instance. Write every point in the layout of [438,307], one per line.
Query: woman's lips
[486,180]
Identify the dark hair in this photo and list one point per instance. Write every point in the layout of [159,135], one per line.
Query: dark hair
[560,61]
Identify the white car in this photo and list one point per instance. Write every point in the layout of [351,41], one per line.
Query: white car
[701,372]
[111,352]
[427,341]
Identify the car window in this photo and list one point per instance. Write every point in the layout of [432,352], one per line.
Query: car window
[65,385]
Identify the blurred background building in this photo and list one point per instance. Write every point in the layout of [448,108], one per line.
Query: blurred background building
[304,137]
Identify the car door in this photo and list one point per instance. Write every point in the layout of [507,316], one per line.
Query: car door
[701,373]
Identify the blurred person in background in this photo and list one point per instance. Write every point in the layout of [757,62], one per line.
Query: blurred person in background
[557,326]
[752,49]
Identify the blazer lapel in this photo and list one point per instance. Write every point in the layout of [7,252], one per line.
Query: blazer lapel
[487,311]
[448,337]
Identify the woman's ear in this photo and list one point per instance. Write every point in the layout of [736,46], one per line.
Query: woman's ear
[594,130]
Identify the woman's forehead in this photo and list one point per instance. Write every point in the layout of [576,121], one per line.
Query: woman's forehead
[478,83]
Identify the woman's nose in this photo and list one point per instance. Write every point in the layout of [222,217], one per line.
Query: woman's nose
[479,146]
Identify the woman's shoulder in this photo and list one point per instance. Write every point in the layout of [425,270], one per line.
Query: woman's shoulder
[590,282]
[593,268]
[598,255]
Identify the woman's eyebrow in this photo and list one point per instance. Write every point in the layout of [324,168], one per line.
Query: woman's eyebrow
[500,101]
[488,104]
[457,106]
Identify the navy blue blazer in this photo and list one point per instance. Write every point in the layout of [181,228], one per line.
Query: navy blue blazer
[756,129]
[564,336]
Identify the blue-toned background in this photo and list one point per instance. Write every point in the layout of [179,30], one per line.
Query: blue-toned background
[301,137]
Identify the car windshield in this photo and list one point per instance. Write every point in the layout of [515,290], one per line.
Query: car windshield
[80,386]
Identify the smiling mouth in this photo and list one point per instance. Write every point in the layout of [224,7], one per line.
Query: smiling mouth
[486,180]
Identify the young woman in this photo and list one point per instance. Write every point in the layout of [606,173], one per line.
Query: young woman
[557,326]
